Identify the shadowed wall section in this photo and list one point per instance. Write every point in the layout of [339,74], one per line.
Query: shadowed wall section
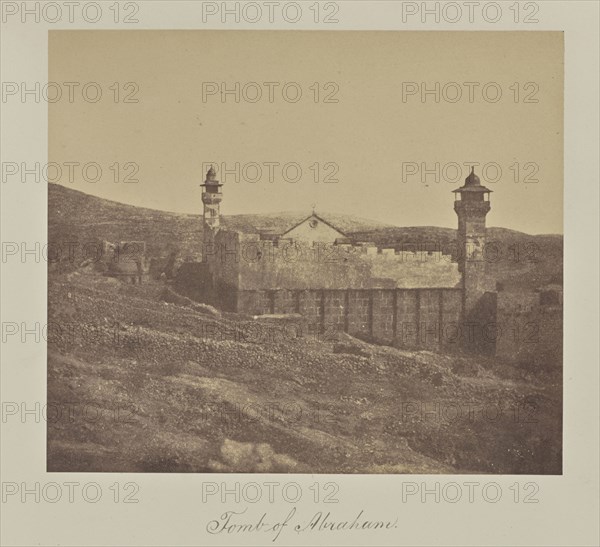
[409,318]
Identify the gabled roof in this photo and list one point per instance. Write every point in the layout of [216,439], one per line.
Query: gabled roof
[313,215]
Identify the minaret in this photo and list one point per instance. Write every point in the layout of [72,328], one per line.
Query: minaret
[472,204]
[211,197]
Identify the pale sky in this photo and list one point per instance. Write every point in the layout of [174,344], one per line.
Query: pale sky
[370,134]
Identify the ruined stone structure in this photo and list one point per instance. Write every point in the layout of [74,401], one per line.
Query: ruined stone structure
[409,298]
[125,260]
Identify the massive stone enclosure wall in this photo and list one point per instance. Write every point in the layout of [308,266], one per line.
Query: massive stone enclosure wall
[403,298]
[246,262]
[410,318]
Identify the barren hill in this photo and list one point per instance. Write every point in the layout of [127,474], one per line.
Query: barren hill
[149,386]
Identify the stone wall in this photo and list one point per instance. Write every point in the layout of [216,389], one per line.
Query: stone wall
[409,318]
[194,281]
[246,261]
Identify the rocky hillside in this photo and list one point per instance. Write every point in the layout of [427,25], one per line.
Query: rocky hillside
[141,381]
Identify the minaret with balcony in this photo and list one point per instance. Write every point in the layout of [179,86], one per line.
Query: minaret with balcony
[472,204]
[211,198]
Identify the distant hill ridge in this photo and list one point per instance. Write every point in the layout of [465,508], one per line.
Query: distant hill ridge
[70,206]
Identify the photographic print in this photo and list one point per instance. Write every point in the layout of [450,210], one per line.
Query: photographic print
[298,252]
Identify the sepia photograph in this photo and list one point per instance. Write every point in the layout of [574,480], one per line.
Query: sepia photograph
[282,252]
[351,264]
[300,272]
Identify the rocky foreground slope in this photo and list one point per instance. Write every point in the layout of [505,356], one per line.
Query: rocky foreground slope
[136,383]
